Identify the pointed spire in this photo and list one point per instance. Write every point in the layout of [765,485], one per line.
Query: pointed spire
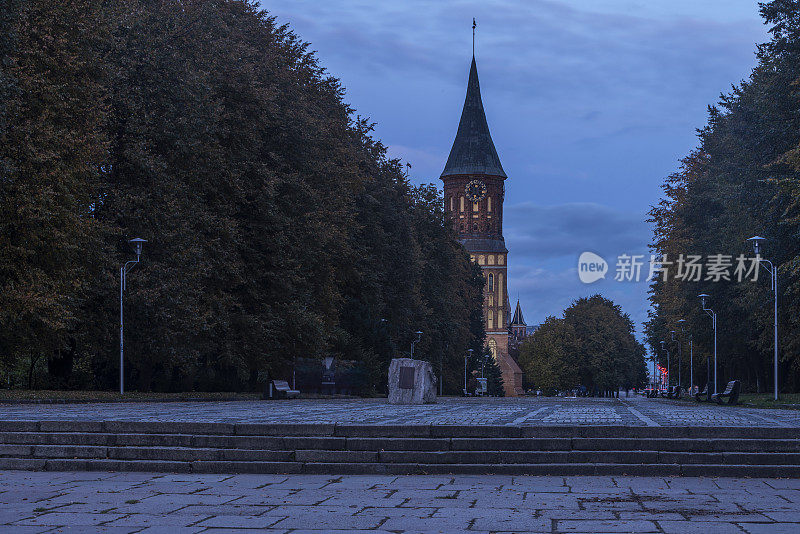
[473,151]
[518,318]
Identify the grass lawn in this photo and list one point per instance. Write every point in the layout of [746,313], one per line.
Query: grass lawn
[112,396]
[765,400]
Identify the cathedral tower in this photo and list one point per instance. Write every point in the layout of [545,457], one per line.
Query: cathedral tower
[474,190]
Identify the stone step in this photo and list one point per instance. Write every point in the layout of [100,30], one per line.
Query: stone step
[559,469]
[325,443]
[183,454]
[364,449]
[395,431]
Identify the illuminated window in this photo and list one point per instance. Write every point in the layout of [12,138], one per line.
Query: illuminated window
[488,203]
[481,259]
[500,319]
[474,206]
[461,203]
[492,348]
[451,203]
[501,259]
[490,261]
[500,287]
[491,320]
[491,300]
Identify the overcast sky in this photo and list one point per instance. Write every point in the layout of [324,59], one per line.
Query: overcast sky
[591,103]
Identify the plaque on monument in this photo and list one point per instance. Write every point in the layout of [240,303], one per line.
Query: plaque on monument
[406,377]
[411,382]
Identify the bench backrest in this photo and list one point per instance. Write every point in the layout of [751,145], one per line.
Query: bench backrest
[281,385]
[729,388]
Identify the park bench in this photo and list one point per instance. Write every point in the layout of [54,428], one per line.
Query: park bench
[279,389]
[705,393]
[731,393]
[674,392]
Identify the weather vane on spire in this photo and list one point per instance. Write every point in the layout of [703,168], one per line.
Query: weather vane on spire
[473,36]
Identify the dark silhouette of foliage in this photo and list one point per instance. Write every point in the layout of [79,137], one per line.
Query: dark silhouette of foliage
[277,227]
[742,180]
[592,345]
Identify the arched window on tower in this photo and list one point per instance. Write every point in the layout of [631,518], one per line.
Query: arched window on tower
[474,206]
[451,203]
[500,319]
[493,348]
[461,203]
[488,203]
[491,282]
[491,320]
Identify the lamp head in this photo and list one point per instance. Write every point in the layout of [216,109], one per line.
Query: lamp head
[703,297]
[137,245]
[756,240]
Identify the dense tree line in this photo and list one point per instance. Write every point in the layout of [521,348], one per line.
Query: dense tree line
[742,180]
[591,345]
[277,227]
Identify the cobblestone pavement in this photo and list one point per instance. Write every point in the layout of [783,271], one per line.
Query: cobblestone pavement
[177,504]
[633,411]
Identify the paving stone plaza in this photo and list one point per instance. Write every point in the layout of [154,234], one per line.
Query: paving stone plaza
[632,411]
[177,503]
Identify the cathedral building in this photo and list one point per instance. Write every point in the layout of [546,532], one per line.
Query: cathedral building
[474,190]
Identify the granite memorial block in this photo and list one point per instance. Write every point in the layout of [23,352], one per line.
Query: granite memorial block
[411,382]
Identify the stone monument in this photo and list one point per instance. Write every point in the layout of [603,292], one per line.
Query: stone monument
[411,382]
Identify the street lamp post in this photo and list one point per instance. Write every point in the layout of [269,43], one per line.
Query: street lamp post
[773,271]
[691,365]
[441,368]
[664,347]
[680,354]
[123,271]
[466,357]
[654,369]
[672,335]
[418,333]
[711,313]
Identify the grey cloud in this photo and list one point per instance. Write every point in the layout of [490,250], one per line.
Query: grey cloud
[544,292]
[544,233]
[538,48]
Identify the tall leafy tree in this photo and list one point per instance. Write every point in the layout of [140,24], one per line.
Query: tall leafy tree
[593,345]
[277,227]
[53,147]
[740,181]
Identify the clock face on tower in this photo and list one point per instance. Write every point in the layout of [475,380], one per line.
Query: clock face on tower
[475,190]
